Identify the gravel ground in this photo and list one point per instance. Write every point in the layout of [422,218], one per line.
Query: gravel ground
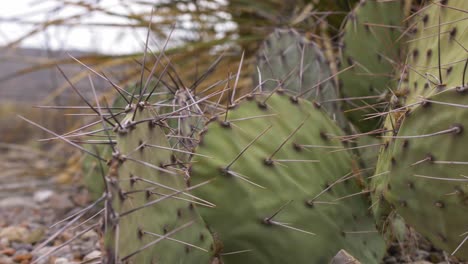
[31,201]
[25,220]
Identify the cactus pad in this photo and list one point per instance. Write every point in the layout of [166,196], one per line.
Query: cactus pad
[150,200]
[290,62]
[280,193]
[370,44]
[424,74]
[92,171]
[427,183]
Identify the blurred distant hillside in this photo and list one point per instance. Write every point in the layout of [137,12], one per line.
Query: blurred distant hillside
[20,94]
[35,86]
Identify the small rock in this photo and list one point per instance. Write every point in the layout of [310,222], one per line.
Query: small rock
[36,235]
[22,246]
[61,261]
[89,235]
[6,260]
[93,255]
[22,257]
[42,195]
[14,233]
[343,257]
[8,252]
[4,242]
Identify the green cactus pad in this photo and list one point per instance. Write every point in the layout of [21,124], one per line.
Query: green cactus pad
[187,125]
[296,65]
[426,183]
[380,207]
[378,182]
[145,153]
[367,150]
[370,44]
[92,173]
[424,75]
[267,207]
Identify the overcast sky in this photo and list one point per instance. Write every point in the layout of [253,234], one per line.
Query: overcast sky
[97,39]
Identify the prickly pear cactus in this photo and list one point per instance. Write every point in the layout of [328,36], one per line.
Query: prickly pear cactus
[425,80]
[380,207]
[289,62]
[282,195]
[92,173]
[338,6]
[150,213]
[437,50]
[369,54]
[379,180]
[366,150]
[92,170]
[427,182]
[188,123]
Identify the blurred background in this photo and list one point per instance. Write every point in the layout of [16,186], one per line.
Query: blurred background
[110,36]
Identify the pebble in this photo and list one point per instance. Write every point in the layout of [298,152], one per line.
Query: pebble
[8,252]
[61,261]
[21,257]
[36,235]
[22,246]
[343,257]
[91,234]
[4,242]
[42,195]
[14,233]
[5,260]
[93,255]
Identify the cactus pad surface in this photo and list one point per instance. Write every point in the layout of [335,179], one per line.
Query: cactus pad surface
[152,218]
[370,44]
[427,183]
[281,195]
